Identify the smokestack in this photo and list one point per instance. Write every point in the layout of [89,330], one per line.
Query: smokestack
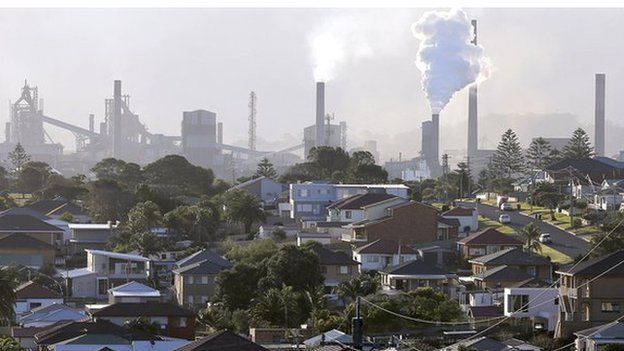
[92,123]
[220,133]
[599,124]
[320,114]
[7,132]
[117,138]
[473,129]
[435,140]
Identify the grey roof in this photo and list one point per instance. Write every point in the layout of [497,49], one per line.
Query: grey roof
[24,241]
[613,330]
[201,267]
[222,341]
[415,267]
[204,255]
[599,265]
[25,223]
[503,273]
[483,343]
[329,257]
[512,257]
[385,246]
[24,211]
[359,201]
[333,335]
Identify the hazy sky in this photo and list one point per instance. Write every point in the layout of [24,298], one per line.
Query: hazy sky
[173,60]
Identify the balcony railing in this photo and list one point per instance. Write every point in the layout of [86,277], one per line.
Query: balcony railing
[573,293]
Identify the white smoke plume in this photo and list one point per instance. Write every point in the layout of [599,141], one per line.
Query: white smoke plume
[447,59]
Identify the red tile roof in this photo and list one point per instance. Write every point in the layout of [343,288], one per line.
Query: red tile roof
[32,290]
[384,246]
[489,236]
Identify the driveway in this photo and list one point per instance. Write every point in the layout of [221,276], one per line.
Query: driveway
[562,240]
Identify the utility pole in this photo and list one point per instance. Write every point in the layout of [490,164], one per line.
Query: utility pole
[252,120]
[445,170]
[356,326]
[469,174]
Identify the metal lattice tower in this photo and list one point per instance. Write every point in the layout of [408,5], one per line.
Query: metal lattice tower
[252,120]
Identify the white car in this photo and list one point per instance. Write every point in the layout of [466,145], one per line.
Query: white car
[545,238]
[504,218]
[506,206]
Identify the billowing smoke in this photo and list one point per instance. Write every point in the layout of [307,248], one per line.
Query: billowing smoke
[447,59]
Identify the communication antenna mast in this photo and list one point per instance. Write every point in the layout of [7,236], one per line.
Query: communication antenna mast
[328,131]
[252,120]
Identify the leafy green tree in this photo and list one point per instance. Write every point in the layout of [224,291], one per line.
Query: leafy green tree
[241,206]
[7,294]
[142,324]
[7,343]
[462,179]
[302,172]
[178,174]
[218,317]
[67,217]
[33,176]
[579,146]
[361,285]
[18,158]
[280,307]
[545,194]
[609,243]
[107,200]
[238,285]
[4,179]
[329,159]
[265,169]
[363,170]
[539,154]
[252,254]
[293,266]
[530,234]
[125,173]
[198,223]
[57,185]
[6,202]
[508,158]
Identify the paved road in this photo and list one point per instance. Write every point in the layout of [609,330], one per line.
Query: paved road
[562,240]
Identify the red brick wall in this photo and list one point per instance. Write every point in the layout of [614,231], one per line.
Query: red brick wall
[409,224]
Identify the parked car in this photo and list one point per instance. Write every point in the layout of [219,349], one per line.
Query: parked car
[545,238]
[506,206]
[504,218]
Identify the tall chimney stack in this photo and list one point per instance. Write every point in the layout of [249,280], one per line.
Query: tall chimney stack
[599,124]
[92,123]
[320,114]
[117,137]
[220,133]
[473,129]
[435,141]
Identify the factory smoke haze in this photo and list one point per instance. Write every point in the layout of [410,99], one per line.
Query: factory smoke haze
[446,58]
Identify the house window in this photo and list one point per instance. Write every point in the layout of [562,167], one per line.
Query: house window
[35,305]
[609,307]
[585,312]
[303,192]
[531,270]
[204,279]
[189,280]
[344,269]
[348,214]
[182,323]
[190,299]
[163,256]
[518,303]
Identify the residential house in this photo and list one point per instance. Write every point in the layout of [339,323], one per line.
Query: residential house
[468,219]
[265,189]
[194,279]
[484,343]
[172,320]
[597,338]
[133,292]
[90,236]
[381,253]
[222,341]
[47,315]
[308,201]
[587,168]
[480,316]
[359,207]
[409,223]
[500,277]
[537,306]
[608,199]
[21,249]
[101,335]
[31,226]
[105,270]
[486,242]
[31,295]
[412,275]
[57,207]
[336,266]
[589,296]
[536,265]
[330,337]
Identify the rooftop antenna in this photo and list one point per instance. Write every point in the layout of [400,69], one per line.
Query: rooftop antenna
[252,120]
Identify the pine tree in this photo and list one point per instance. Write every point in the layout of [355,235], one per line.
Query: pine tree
[538,154]
[18,158]
[578,147]
[508,158]
[266,169]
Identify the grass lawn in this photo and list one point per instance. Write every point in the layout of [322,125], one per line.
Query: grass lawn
[561,220]
[485,223]
[555,256]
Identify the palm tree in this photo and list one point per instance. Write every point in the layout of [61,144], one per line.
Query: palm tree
[530,234]
[7,294]
[362,285]
[241,206]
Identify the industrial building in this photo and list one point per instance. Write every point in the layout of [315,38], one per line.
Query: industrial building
[323,132]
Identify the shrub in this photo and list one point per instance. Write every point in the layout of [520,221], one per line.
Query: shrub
[576,223]
[278,234]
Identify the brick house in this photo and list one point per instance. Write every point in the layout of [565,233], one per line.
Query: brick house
[336,266]
[586,304]
[486,242]
[173,320]
[409,223]
[535,265]
[500,277]
[412,275]
[22,249]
